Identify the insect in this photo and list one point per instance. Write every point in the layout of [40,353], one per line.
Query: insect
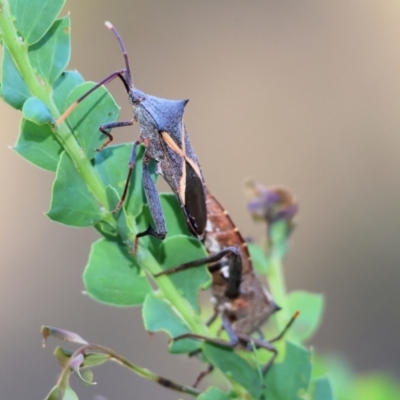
[238,295]
[163,133]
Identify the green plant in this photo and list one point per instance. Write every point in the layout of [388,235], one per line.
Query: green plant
[87,187]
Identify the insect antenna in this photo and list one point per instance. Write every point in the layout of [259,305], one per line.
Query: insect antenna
[128,76]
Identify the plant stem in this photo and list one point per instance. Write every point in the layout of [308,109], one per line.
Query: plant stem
[277,285]
[173,295]
[145,373]
[19,52]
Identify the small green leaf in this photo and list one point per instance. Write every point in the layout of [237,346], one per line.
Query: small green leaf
[125,224]
[322,389]
[38,145]
[87,377]
[51,54]
[234,367]
[213,393]
[85,120]
[33,18]
[72,203]
[181,249]
[112,165]
[13,89]
[260,261]
[62,394]
[75,363]
[95,359]
[311,307]
[91,360]
[36,111]
[290,378]
[62,355]
[159,316]
[63,86]
[113,276]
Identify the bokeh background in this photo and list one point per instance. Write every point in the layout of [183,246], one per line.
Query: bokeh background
[300,93]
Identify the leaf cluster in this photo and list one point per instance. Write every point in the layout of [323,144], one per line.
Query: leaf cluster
[87,187]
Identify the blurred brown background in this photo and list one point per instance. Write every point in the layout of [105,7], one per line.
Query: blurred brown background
[305,94]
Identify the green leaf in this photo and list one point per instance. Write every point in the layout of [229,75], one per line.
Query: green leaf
[125,225]
[322,389]
[376,387]
[290,378]
[72,203]
[213,393]
[311,307]
[113,276]
[260,261]
[176,222]
[87,377]
[33,18]
[13,89]
[339,370]
[91,360]
[95,359]
[112,165]
[62,355]
[50,56]
[159,316]
[234,367]
[36,111]
[60,394]
[38,145]
[85,120]
[63,86]
[180,249]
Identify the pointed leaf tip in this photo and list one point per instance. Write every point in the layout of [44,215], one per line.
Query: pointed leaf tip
[75,364]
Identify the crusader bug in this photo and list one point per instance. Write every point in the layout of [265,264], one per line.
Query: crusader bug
[166,141]
[238,295]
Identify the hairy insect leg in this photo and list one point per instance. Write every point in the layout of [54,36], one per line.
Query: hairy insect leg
[202,261]
[117,74]
[233,337]
[177,386]
[103,129]
[213,317]
[267,344]
[235,268]
[286,328]
[203,374]
[132,162]
[261,344]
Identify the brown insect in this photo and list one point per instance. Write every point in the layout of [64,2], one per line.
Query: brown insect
[238,295]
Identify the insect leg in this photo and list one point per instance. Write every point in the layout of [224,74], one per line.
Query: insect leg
[235,268]
[203,374]
[132,161]
[233,337]
[206,260]
[285,329]
[267,344]
[154,203]
[117,74]
[103,129]
[263,344]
